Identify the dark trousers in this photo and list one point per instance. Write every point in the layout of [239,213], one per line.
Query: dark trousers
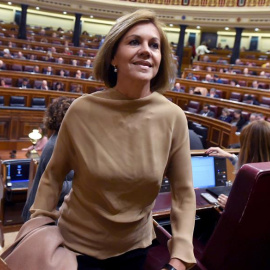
[132,260]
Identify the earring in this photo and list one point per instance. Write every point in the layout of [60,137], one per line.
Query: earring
[115,69]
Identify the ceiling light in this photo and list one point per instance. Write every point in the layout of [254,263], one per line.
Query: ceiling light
[256,29]
[171,25]
[227,28]
[91,16]
[10,3]
[64,12]
[37,8]
[198,27]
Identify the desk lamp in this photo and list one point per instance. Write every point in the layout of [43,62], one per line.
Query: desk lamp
[34,137]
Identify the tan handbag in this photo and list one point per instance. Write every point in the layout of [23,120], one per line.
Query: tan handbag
[39,246]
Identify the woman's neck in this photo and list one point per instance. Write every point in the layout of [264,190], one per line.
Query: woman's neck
[134,90]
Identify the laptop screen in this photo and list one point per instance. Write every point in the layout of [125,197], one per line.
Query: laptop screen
[17,170]
[203,170]
[208,171]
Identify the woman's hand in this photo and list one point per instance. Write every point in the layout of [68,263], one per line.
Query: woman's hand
[218,152]
[222,200]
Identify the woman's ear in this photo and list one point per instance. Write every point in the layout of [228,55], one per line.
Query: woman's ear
[113,62]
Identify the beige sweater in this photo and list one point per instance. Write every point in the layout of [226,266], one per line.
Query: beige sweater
[119,149]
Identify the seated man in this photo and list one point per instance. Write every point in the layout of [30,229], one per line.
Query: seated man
[44,85]
[48,71]
[206,111]
[24,84]
[88,63]
[177,88]
[190,76]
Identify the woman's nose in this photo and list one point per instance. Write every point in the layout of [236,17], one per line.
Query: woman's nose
[144,50]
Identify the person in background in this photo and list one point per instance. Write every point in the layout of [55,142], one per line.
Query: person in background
[48,71]
[206,111]
[59,86]
[60,61]
[234,83]
[88,63]
[2,65]
[177,88]
[106,218]
[255,147]
[252,100]
[44,85]
[81,53]
[36,69]
[74,62]
[79,75]
[77,89]
[195,140]
[202,49]
[219,46]
[54,115]
[7,54]
[41,142]
[213,93]
[24,84]
[190,76]
[208,78]
[225,115]
[246,71]
[3,83]
[238,120]
[217,79]
[62,73]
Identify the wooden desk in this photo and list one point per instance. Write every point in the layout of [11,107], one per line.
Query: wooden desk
[5,154]
[162,206]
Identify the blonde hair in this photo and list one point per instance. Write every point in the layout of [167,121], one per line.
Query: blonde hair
[255,143]
[103,70]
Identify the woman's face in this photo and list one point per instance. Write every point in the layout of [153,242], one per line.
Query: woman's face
[138,54]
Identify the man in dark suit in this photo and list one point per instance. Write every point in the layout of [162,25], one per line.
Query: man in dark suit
[48,71]
[24,84]
[206,111]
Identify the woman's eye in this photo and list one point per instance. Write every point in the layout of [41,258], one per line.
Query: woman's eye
[134,42]
[155,45]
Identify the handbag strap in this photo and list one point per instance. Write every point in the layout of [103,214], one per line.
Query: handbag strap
[27,228]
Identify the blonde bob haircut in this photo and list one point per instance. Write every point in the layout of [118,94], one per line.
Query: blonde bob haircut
[255,143]
[104,71]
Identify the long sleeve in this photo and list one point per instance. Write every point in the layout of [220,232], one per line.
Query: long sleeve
[183,208]
[51,182]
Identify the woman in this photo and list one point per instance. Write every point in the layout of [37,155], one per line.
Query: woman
[120,143]
[59,86]
[255,147]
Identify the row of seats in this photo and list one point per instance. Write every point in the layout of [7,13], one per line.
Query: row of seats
[261,85]
[194,107]
[19,101]
[236,96]
[38,83]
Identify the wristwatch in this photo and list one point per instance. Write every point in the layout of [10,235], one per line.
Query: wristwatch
[167,266]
